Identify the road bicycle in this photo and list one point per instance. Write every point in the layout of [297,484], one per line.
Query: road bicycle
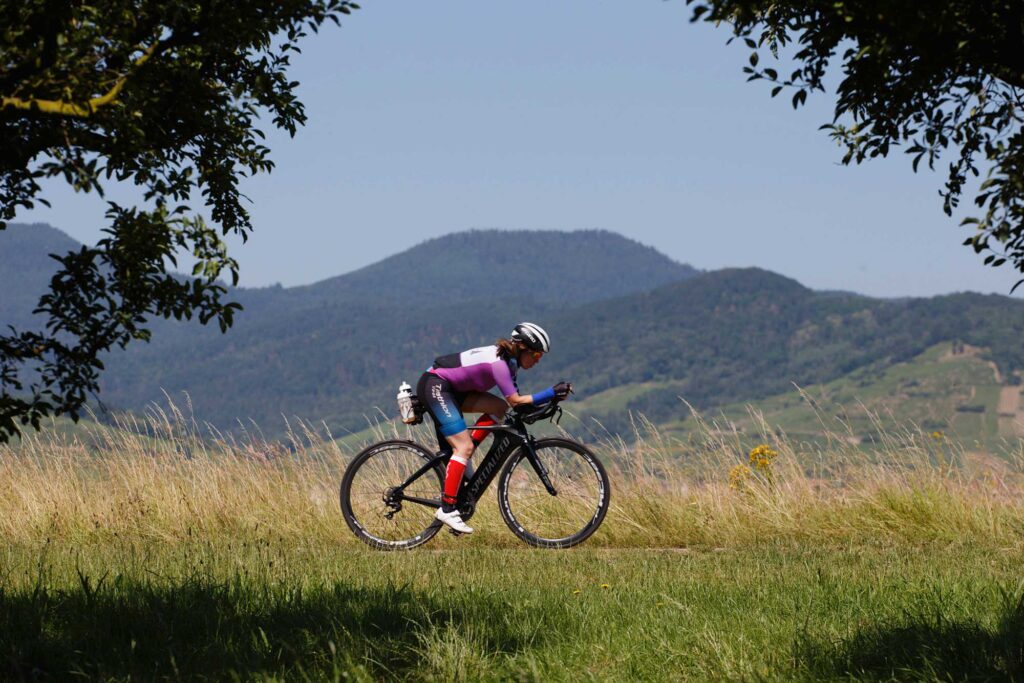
[552,492]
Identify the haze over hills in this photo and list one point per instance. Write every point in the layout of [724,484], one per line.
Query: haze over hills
[623,318]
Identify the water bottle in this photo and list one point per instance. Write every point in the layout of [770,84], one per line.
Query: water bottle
[405,407]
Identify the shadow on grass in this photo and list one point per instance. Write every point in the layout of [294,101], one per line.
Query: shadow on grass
[239,629]
[930,648]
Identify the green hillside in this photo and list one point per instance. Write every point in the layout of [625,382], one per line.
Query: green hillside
[333,353]
[720,338]
[545,266]
[947,392]
[743,335]
[313,351]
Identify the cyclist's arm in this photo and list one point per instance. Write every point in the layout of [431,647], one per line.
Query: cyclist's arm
[507,385]
[518,399]
[539,398]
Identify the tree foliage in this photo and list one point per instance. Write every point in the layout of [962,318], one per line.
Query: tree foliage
[936,77]
[168,95]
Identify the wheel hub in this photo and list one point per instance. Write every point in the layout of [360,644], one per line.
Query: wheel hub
[389,500]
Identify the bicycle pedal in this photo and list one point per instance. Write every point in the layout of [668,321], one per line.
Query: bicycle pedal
[453,532]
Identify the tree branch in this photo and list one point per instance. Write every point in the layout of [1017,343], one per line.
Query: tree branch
[64,108]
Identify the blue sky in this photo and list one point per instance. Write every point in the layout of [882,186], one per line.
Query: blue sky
[429,118]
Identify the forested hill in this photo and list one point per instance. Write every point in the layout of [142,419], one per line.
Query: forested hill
[743,334]
[550,267]
[733,335]
[311,350]
[497,265]
[336,350]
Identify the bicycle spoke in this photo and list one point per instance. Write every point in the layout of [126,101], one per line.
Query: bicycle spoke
[392,522]
[545,517]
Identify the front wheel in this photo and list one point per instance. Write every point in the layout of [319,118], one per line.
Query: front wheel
[562,520]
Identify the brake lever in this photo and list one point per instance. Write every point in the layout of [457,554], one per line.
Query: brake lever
[556,416]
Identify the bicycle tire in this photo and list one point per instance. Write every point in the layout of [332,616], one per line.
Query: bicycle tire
[580,478]
[367,518]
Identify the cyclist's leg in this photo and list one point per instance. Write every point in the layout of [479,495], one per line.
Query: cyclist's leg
[462,449]
[493,407]
[442,412]
[443,404]
[448,513]
[482,402]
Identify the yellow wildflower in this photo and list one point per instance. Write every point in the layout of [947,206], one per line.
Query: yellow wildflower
[738,476]
[762,456]
[937,436]
[577,591]
[605,585]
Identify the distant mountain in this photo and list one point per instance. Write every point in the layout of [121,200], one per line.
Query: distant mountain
[620,315]
[312,350]
[26,268]
[497,265]
[549,267]
[722,337]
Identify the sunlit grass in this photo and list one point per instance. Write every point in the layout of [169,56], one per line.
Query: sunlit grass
[167,551]
[168,480]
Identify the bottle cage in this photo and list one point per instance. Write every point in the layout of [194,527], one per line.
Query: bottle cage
[418,409]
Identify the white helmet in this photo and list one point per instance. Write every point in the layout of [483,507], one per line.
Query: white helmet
[532,336]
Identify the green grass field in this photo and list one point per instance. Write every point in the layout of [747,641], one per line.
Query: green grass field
[168,556]
[267,609]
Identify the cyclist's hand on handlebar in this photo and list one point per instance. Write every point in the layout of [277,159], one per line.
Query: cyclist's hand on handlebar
[562,390]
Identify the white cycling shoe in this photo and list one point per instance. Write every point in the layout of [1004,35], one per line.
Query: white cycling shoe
[454,520]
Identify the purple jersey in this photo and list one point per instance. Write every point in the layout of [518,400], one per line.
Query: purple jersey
[479,369]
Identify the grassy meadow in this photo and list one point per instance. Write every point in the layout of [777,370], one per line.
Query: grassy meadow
[164,551]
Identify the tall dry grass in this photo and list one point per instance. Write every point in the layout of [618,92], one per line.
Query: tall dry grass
[166,478]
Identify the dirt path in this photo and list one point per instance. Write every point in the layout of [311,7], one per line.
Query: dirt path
[995,371]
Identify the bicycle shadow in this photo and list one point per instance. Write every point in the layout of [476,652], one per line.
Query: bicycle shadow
[228,630]
[929,647]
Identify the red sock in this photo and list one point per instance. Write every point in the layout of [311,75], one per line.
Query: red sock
[452,479]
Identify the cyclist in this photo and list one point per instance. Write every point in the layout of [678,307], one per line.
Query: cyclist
[459,383]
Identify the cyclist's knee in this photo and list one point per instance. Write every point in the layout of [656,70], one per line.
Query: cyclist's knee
[462,445]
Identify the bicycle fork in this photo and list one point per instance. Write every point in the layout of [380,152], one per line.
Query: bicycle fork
[538,467]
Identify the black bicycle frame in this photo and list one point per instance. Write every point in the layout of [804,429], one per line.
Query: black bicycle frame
[506,439]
